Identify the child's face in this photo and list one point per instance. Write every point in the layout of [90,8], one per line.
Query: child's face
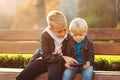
[60,32]
[78,37]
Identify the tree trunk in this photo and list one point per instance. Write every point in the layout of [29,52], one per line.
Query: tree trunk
[40,5]
[70,8]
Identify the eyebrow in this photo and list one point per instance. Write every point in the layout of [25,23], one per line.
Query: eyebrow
[61,30]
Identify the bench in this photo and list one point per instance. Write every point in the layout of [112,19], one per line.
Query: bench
[106,42]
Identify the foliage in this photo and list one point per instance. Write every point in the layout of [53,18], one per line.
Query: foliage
[99,13]
[5,21]
[93,21]
[26,16]
[102,65]
[107,63]
[118,25]
[13,61]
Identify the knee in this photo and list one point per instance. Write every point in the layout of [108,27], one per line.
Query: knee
[18,78]
[50,75]
[88,72]
[90,69]
[53,76]
[67,74]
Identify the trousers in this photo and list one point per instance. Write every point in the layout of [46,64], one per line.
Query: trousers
[55,70]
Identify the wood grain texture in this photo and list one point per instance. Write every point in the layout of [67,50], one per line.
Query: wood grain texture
[98,75]
[24,35]
[30,47]
[27,41]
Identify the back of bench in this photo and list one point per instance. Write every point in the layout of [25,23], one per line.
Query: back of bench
[106,41]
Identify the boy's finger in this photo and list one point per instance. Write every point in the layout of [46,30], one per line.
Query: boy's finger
[76,61]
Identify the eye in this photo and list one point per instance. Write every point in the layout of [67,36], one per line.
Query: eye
[75,35]
[59,31]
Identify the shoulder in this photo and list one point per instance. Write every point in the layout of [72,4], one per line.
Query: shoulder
[45,34]
[70,40]
[69,36]
[88,40]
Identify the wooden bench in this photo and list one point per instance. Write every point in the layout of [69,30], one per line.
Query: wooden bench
[106,42]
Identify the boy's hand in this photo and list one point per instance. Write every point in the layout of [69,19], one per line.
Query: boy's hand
[67,65]
[59,52]
[85,66]
[69,59]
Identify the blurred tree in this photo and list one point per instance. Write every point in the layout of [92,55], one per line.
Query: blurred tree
[98,13]
[27,16]
[118,10]
[40,5]
[52,5]
[5,21]
[70,8]
[32,14]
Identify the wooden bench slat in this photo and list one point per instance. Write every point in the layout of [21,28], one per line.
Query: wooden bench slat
[25,47]
[107,48]
[98,75]
[24,35]
[20,35]
[104,34]
[19,41]
[19,47]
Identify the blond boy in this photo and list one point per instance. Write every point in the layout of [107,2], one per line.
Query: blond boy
[52,54]
[82,49]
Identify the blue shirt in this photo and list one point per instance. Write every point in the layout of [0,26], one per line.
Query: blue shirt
[78,50]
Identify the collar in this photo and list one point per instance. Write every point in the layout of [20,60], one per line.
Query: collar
[54,36]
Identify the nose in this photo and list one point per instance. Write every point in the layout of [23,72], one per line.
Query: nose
[78,37]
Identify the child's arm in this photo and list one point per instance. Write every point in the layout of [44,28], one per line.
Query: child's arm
[90,56]
[67,65]
[46,50]
[69,59]
[59,52]
[35,56]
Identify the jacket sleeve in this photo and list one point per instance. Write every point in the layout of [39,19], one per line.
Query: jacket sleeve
[47,55]
[90,56]
[35,56]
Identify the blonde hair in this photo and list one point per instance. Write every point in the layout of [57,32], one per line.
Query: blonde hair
[56,18]
[78,26]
